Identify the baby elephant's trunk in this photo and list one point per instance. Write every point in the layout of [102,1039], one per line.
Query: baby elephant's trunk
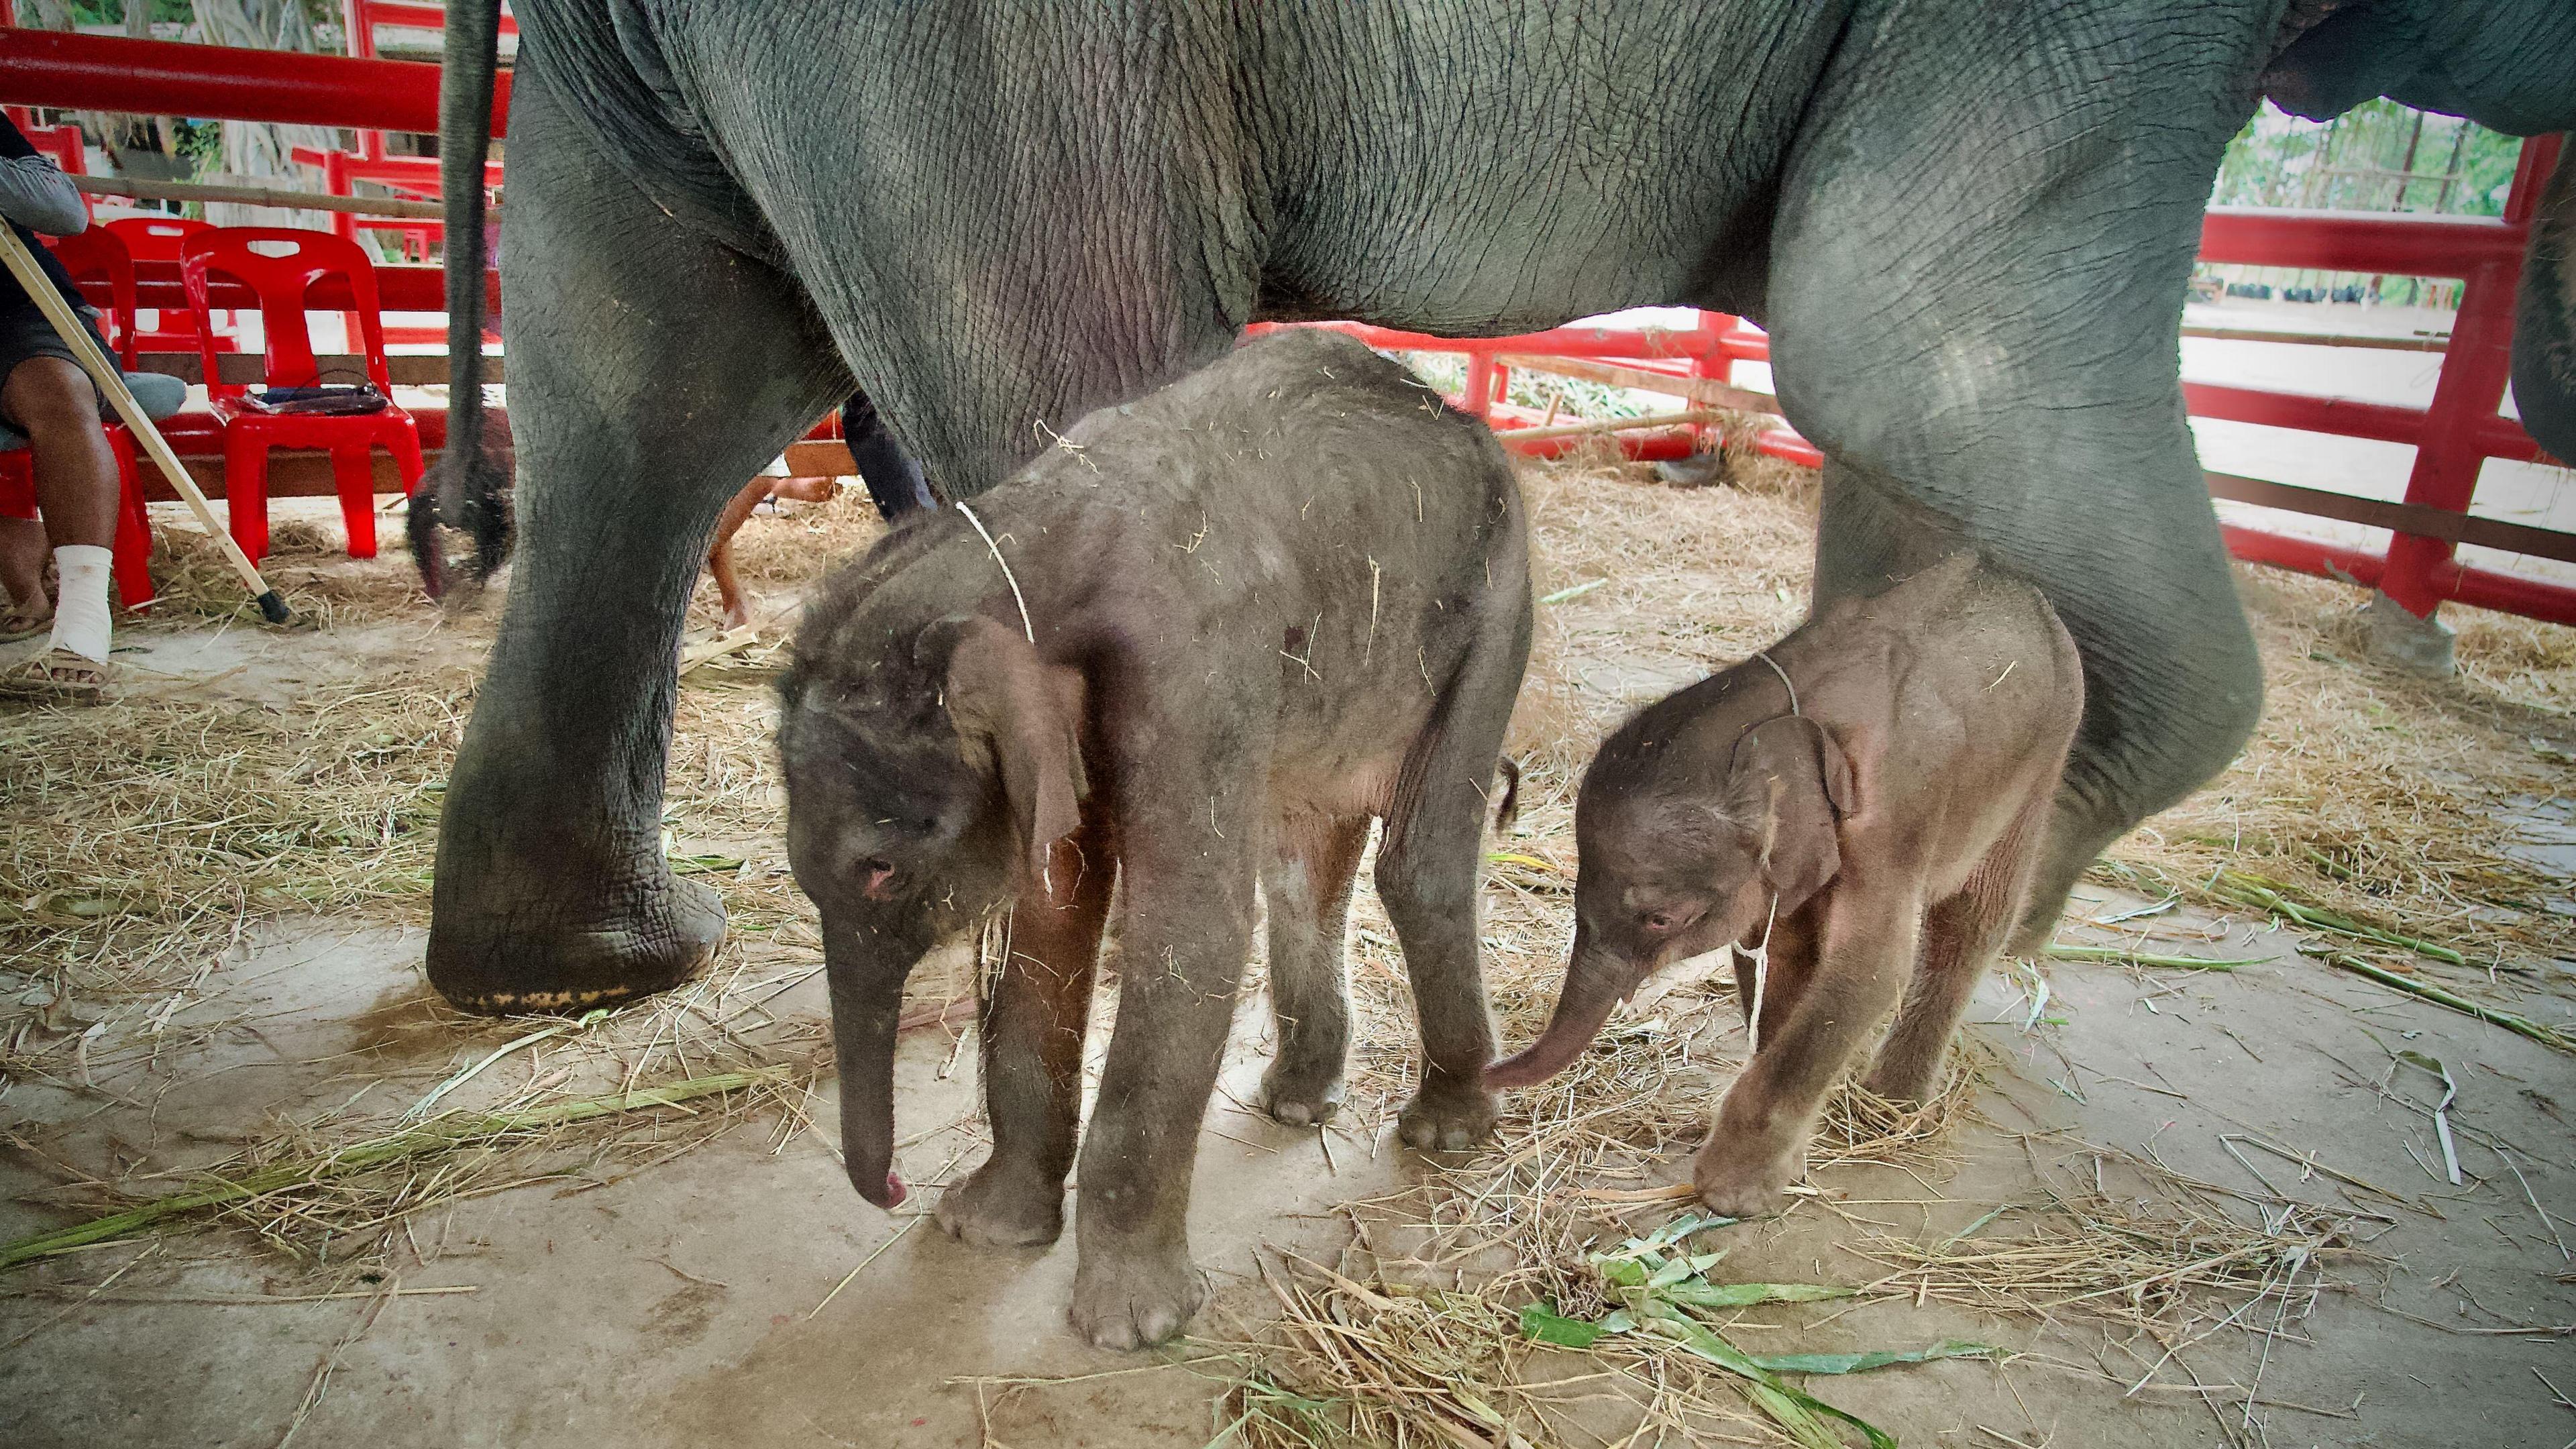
[866,1008]
[1595,982]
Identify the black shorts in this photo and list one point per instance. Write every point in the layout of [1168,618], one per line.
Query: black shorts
[24,333]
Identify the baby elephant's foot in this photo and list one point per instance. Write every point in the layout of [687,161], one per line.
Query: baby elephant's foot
[1910,1081]
[1739,1183]
[1301,1096]
[1000,1206]
[1447,1118]
[1135,1299]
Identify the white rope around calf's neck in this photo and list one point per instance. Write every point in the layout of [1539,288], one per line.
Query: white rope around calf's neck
[1765,656]
[1031,629]
[1760,956]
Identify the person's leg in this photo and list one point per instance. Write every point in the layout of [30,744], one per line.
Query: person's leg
[22,573]
[737,512]
[52,401]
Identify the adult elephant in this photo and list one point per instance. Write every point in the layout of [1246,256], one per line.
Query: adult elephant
[1968,224]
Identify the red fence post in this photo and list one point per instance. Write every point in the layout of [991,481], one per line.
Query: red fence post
[1478,394]
[2475,371]
[1709,361]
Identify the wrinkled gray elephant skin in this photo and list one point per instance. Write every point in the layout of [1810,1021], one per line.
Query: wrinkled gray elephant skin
[1968,225]
[1243,618]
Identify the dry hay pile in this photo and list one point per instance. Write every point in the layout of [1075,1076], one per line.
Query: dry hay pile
[307,564]
[2407,806]
[149,838]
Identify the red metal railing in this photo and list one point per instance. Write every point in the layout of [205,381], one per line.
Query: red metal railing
[2453,436]
[1688,361]
[166,78]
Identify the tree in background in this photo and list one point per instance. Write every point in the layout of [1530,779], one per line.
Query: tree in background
[258,152]
[2379,156]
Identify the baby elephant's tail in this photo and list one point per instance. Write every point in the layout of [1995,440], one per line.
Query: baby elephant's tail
[1508,811]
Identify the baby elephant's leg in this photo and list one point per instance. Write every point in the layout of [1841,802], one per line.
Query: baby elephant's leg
[1034,1016]
[1429,887]
[1760,1141]
[1960,938]
[1308,891]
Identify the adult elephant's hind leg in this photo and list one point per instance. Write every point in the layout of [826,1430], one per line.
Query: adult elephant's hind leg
[651,371]
[1976,298]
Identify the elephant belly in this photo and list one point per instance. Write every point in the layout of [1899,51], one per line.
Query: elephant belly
[1504,165]
[1336,785]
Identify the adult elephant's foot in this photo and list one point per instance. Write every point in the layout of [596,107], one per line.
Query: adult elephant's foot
[550,954]
[1004,1205]
[1135,1296]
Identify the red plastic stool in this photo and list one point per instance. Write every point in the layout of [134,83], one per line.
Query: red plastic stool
[282,276]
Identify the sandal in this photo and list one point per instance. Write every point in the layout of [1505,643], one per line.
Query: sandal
[20,624]
[60,676]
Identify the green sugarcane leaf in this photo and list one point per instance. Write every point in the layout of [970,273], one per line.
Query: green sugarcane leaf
[1799,1414]
[1669,1274]
[1622,1272]
[1741,1295]
[1855,1363]
[1542,1323]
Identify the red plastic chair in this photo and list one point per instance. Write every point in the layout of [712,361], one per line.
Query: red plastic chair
[159,239]
[96,253]
[283,277]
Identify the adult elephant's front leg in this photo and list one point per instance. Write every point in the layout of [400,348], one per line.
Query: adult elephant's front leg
[1976,297]
[651,371]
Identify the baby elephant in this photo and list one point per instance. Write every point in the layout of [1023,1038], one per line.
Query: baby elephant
[1872,789]
[1201,641]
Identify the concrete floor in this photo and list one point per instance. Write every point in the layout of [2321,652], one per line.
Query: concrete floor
[679,1305]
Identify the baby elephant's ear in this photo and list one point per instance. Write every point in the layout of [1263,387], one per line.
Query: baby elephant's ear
[1028,713]
[1792,785]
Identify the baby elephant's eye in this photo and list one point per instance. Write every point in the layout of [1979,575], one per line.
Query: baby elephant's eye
[1659,920]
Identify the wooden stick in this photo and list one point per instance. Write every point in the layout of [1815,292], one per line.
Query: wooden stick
[93,358]
[1612,425]
[2519,1025]
[260,196]
[2429,343]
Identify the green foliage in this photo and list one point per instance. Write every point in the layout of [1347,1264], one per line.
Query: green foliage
[201,144]
[112,12]
[2360,162]
[1657,1281]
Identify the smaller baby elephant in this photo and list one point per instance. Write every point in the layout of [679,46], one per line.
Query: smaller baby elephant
[1866,798]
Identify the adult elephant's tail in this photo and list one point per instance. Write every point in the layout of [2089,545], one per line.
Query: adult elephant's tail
[468,491]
